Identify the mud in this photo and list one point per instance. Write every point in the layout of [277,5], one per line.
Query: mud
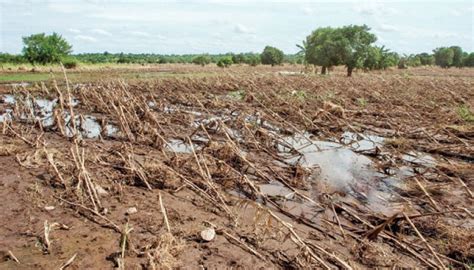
[310,180]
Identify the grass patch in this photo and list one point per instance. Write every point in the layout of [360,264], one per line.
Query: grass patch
[465,113]
[95,75]
[24,77]
[238,95]
[362,102]
[299,94]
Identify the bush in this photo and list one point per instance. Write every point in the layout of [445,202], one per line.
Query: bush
[271,56]
[44,49]
[70,63]
[253,60]
[225,62]
[202,60]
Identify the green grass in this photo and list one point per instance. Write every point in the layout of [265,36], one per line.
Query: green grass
[362,102]
[238,95]
[94,75]
[24,77]
[465,113]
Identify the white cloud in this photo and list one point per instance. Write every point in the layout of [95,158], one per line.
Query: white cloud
[69,6]
[387,28]
[101,32]
[140,34]
[242,29]
[307,10]
[85,38]
[455,12]
[75,31]
[161,37]
[374,8]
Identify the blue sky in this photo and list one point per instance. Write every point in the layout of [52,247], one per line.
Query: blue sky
[215,26]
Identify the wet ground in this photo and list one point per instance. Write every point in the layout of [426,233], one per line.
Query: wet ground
[256,162]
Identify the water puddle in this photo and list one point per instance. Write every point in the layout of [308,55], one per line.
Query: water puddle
[42,111]
[6,116]
[276,189]
[362,142]
[420,159]
[89,127]
[8,99]
[336,168]
[179,146]
[289,73]
[21,84]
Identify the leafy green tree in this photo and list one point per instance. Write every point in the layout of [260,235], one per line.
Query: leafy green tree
[444,57]
[202,60]
[70,62]
[253,60]
[271,56]
[388,59]
[320,49]
[402,63]
[457,56]
[374,58]
[413,60]
[44,49]
[224,62]
[468,60]
[380,58]
[426,59]
[10,58]
[348,45]
[353,43]
[239,58]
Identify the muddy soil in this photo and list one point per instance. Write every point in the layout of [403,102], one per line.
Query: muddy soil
[288,170]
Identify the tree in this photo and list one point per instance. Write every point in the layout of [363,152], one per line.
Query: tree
[380,58]
[444,57]
[224,62]
[253,60]
[354,43]
[202,60]
[239,58]
[457,56]
[44,49]
[468,60]
[413,60]
[271,56]
[319,49]
[348,45]
[426,59]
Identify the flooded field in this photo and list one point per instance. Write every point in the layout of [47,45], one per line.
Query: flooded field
[275,170]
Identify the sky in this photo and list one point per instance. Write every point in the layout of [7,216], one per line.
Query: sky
[213,26]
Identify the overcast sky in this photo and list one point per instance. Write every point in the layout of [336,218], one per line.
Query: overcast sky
[231,26]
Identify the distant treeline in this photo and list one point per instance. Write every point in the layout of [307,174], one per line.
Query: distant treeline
[150,58]
[352,46]
[447,57]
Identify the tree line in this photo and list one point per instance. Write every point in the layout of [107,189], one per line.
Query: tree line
[351,46]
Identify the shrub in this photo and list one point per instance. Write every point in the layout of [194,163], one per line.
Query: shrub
[271,56]
[225,62]
[70,63]
[44,49]
[202,60]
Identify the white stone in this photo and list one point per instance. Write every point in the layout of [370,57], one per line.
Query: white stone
[49,208]
[208,234]
[132,210]
[101,191]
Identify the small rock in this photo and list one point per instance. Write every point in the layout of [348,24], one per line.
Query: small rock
[49,208]
[208,234]
[132,210]
[101,191]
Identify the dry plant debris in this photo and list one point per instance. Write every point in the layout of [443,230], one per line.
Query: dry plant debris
[286,171]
